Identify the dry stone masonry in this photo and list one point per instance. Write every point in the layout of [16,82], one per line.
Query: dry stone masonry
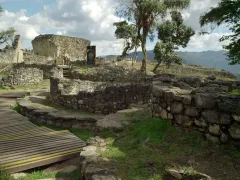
[50,45]
[49,70]
[22,76]
[98,96]
[215,114]
[204,105]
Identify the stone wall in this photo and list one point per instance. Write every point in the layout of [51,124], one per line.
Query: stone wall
[22,76]
[31,58]
[98,96]
[60,46]
[214,113]
[48,69]
[14,55]
[195,82]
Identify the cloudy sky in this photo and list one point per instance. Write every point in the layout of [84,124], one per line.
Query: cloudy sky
[92,19]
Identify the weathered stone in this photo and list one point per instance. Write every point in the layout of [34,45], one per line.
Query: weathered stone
[168,97]
[204,101]
[23,76]
[214,129]
[234,131]
[201,122]
[50,45]
[19,175]
[191,111]
[14,54]
[89,151]
[80,102]
[185,99]
[96,141]
[212,77]
[224,138]
[213,138]
[211,116]
[183,120]
[170,116]
[225,119]
[164,114]
[192,81]
[236,118]
[229,103]
[176,108]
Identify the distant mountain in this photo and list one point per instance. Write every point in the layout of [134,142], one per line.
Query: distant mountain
[212,59]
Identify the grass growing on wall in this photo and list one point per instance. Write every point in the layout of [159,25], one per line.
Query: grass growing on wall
[148,145]
[235,92]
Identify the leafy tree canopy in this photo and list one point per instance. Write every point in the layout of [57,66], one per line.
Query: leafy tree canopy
[226,13]
[6,35]
[172,34]
[144,14]
[127,31]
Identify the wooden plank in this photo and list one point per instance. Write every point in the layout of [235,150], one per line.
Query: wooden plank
[26,144]
[37,139]
[31,165]
[39,152]
[26,149]
[10,161]
[31,131]
[53,148]
[27,136]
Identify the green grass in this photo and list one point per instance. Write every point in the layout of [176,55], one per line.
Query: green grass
[148,145]
[235,92]
[153,140]
[16,108]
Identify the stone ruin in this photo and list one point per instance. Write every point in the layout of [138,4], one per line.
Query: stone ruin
[61,48]
[203,105]
[48,52]
[14,54]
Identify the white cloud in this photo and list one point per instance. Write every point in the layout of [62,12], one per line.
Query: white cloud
[93,20]
[19,20]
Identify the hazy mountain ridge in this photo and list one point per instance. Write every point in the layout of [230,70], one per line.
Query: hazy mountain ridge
[212,59]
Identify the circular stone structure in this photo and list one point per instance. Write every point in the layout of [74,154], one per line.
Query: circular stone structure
[50,45]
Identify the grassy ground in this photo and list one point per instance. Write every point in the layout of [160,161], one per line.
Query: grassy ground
[150,145]
[235,92]
[146,147]
[184,70]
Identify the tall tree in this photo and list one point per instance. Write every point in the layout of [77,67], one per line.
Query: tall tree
[172,34]
[7,35]
[226,13]
[127,31]
[145,15]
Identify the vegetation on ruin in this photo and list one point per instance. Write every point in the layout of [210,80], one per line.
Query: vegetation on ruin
[226,14]
[149,146]
[171,34]
[144,15]
[235,92]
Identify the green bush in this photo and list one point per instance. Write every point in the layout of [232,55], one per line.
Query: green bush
[16,108]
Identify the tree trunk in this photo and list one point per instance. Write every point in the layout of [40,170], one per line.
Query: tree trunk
[156,67]
[144,51]
[135,57]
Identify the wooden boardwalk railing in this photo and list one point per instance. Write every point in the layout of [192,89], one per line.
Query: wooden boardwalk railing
[24,145]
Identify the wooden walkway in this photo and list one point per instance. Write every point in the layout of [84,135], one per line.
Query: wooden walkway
[24,145]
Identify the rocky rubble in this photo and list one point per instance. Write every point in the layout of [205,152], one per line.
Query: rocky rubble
[93,166]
